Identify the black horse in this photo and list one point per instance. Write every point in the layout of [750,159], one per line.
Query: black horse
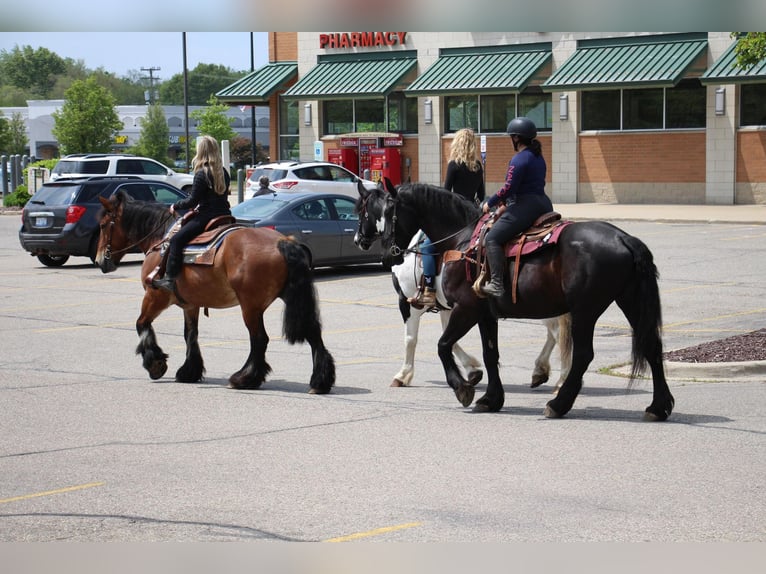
[591,265]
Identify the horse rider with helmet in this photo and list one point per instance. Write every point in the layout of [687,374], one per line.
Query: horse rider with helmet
[523,194]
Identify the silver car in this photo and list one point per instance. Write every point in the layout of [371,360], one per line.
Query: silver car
[323,223]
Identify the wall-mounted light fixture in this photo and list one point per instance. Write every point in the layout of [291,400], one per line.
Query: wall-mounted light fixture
[564,107]
[306,114]
[428,111]
[720,101]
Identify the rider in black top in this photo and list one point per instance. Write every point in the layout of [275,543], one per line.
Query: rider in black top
[210,198]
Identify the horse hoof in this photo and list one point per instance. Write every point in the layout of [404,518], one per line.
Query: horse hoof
[157,369]
[481,408]
[538,380]
[652,417]
[465,395]
[549,413]
[474,377]
[397,383]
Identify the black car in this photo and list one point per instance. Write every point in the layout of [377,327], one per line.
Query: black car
[323,223]
[59,220]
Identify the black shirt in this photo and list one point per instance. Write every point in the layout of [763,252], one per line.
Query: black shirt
[464,182]
[203,196]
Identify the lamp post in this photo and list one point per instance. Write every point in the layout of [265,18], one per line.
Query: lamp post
[186,103]
[252,107]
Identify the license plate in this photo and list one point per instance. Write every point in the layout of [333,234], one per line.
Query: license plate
[41,222]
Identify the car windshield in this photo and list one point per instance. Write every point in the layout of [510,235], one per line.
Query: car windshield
[258,207]
[54,195]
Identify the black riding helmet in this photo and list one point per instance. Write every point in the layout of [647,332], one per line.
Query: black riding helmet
[522,127]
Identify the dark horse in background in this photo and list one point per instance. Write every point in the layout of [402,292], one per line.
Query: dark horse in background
[251,268]
[592,265]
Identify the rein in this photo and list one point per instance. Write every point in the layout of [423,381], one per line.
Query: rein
[108,251]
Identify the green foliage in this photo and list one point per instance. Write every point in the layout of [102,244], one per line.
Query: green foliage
[17,134]
[213,120]
[88,121]
[45,163]
[18,198]
[751,49]
[5,134]
[204,81]
[153,141]
[31,69]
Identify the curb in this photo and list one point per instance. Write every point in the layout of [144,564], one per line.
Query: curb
[744,370]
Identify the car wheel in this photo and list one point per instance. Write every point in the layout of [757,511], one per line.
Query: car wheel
[53,260]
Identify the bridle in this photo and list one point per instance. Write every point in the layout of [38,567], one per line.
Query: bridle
[395,249]
[113,219]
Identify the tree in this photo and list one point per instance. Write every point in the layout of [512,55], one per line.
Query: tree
[17,134]
[204,81]
[750,49]
[155,135]
[31,69]
[5,135]
[213,121]
[88,121]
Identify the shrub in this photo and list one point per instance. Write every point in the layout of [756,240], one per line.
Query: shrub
[18,198]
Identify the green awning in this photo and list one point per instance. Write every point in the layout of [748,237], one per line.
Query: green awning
[726,71]
[365,76]
[645,61]
[504,70]
[258,86]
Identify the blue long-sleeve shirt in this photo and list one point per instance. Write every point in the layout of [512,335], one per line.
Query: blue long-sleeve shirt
[526,174]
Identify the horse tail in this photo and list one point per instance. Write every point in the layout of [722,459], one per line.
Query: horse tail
[645,314]
[301,314]
[301,321]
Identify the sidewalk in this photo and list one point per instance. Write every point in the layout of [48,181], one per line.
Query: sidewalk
[752,213]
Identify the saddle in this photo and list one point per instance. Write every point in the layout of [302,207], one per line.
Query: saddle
[199,251]
[543,232]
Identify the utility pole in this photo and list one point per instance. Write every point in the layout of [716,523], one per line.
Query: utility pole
[150,95]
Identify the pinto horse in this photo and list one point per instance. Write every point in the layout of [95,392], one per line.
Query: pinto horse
[592,265]
[407,277]
[252,267]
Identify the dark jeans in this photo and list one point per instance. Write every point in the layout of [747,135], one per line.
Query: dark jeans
[191,229]
[518,217]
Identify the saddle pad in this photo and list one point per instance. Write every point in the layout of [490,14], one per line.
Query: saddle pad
[204,253]
[532,245]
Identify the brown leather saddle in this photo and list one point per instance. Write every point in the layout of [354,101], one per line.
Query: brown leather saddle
[199,251]
[543,232]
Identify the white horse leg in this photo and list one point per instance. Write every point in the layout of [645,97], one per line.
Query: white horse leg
[542,371]
[404,377]
[471,364]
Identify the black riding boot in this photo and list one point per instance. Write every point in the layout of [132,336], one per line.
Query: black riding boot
[496,257]
[168,282]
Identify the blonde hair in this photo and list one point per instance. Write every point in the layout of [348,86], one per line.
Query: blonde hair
[463,149]
[208,158]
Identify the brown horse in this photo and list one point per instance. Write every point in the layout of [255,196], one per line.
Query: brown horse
[252,267]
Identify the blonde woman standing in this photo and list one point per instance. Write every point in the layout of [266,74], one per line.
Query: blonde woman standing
[209,197]
[465,177]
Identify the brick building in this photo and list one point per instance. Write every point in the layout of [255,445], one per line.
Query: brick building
[624,117]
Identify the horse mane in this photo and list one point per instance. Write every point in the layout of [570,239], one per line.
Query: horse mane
[450,206]
[144,219]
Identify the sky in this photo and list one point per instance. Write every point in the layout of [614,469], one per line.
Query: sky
[120,52]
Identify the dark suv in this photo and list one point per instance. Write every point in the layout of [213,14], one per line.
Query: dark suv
[59,220]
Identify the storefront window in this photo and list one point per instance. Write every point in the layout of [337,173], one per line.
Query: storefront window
[753,104]
[370,115]
[338,116]
[642,109]
[461,112]
[538,107]
[289,144]
[685,105]
[681,107]
[402,114]
[600,110]
[496,112]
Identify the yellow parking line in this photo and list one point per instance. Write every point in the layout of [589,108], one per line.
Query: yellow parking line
[375,532]
[50,492]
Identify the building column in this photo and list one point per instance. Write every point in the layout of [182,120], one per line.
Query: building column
[721,147]
[565,173]
[429,142]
